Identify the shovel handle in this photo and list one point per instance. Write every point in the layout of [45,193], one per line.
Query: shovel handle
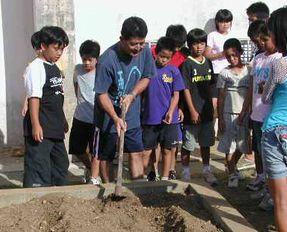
[118,189]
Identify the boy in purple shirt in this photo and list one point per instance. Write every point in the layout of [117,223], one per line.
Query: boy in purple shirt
[160,116]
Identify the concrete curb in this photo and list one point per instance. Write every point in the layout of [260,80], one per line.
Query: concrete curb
[229,218]
[222,212]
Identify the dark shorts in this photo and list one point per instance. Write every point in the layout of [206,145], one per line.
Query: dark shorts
[164,134]
[107,145]
[45,163]
[81,136]
[256,137]
[179,132]
[213,89]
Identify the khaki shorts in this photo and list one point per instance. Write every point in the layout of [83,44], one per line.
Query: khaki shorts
[203,134]
[234,136]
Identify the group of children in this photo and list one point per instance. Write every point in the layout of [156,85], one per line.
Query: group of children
[182,89]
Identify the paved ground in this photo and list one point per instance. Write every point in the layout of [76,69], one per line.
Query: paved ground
[11,167]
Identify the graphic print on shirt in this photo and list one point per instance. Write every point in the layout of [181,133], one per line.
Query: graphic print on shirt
[198,78]
[123,84]
[55,82]
[166,78]
[262,74]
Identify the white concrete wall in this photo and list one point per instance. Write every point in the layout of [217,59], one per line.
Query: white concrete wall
[102,20]
[99,20]
[16,20]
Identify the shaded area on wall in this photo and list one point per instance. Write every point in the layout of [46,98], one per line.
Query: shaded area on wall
[17,20]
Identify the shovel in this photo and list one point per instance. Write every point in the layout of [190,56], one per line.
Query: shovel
[118,188]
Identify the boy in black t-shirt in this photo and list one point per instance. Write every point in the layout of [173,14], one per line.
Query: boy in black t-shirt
[197,106]
[46,162]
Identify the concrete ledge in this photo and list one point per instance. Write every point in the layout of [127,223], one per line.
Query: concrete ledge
[222,212]
[18,196]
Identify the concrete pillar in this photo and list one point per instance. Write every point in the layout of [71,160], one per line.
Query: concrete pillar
[16,25]
[3,118]
[60,13]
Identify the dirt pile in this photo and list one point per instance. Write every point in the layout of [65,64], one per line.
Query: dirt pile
[165,212]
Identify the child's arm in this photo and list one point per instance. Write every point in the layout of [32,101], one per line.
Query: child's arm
[278,76]
[247,101]
[76,86]
[194,115]
[35,78]
[186,71]
[172,106]
[24,107]
[213,56]
[37,132]
[220,106]
[180,115]
[66,124]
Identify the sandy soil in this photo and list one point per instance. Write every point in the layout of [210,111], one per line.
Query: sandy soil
[167,212]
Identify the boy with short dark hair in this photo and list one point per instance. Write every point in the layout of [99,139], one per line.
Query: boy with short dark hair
[123,72]
[197,106]
[254,31]
[46,162]
[257,11]
[160,115]
[178,34]
[83,122]
[35,41]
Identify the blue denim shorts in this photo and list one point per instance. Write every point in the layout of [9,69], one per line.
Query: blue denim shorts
[274,152]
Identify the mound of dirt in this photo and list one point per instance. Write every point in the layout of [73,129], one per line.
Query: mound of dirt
[54,212]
